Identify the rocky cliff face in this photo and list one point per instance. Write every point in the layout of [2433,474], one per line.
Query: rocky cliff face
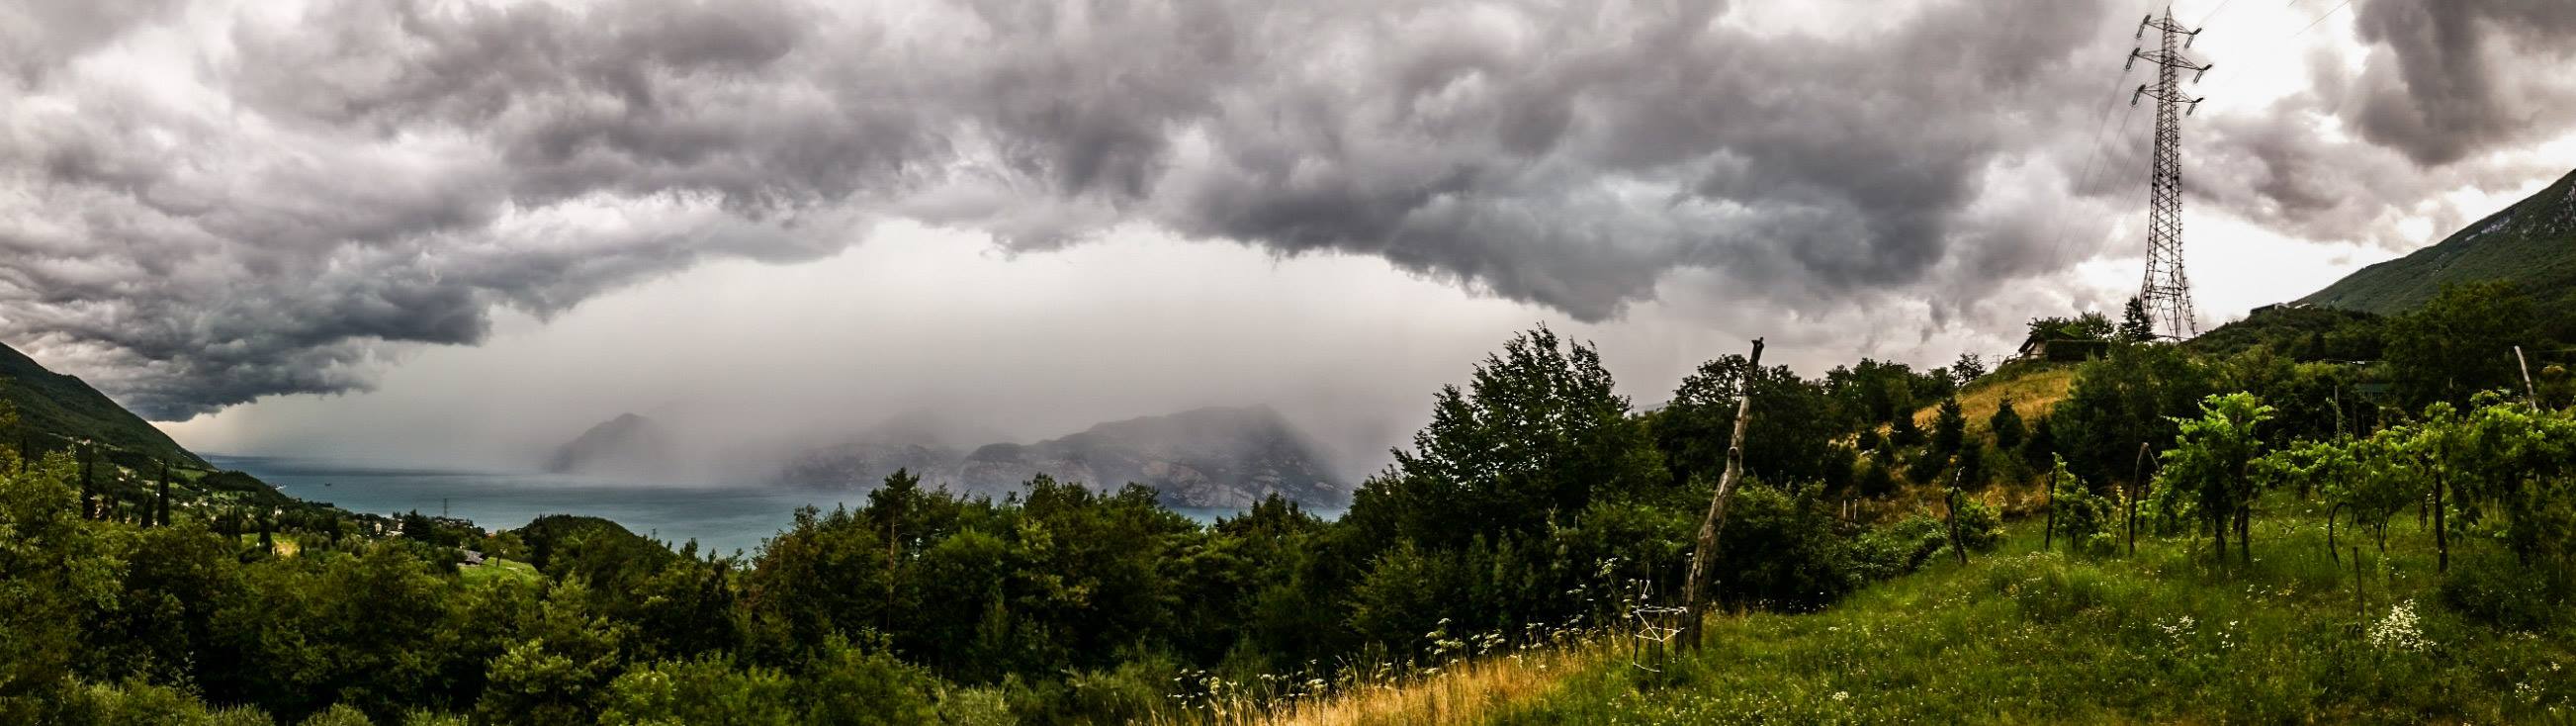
[628,445]
[1211,457]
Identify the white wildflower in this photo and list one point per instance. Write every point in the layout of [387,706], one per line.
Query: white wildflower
[2400,630]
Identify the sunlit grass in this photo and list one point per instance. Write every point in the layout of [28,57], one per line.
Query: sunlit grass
[2033,387]
[1468,690]
[2168,636]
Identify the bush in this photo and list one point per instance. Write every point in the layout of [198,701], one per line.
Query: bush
[2492,588]
[140,703]
[699,691]
[848,684]
[2077,514]
[1980,528]
[1781,552]
[1898,549]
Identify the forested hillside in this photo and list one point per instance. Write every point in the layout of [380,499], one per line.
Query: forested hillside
[57,409]
[2531,244]
[1522,559]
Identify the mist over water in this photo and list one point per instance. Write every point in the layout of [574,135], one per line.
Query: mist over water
[724,517]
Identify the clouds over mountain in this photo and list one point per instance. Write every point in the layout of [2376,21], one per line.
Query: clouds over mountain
[203,203]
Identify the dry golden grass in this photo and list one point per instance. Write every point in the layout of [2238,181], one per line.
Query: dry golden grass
[1467,691]
[2034,390]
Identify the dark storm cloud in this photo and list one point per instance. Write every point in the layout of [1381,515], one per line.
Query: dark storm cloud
[200,209]
[2449,78]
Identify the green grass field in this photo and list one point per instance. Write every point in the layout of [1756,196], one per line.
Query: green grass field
[495,568]
[2025,636]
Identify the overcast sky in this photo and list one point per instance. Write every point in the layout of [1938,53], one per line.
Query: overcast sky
[431,231]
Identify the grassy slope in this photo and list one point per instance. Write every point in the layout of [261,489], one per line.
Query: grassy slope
[2034,387]
[2532,242]
[63,406]
[496,569]
[2027,636]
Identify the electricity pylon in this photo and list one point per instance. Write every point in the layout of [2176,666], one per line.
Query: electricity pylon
[2166,292]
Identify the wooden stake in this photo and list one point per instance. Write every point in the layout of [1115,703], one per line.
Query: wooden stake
[2048,535]
[1693,600]
[2528,392]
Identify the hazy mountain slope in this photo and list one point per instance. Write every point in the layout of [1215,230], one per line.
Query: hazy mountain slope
[1209,457]
[626,445]
[62,407]
[864,464]
[2532,243]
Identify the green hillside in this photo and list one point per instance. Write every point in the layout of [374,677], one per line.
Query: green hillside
[57,407]
[2532,243]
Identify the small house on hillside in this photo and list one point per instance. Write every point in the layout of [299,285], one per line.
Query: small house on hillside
[2068,339]
[2062,349]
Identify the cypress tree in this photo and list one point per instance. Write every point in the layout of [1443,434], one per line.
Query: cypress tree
[88,504]
[163,507]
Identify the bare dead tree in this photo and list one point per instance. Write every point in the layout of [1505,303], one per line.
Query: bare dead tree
[1694,600]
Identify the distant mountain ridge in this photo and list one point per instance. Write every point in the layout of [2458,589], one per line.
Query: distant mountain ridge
[65,408]
[625,445]
[1208,457]
[2532,243]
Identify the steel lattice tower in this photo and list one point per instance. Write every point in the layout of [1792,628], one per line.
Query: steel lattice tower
[2166,292]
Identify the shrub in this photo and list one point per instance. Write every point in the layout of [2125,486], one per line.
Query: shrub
[1780,551]
[699,691]
[2492,588]
[1899,548]
[1980,528]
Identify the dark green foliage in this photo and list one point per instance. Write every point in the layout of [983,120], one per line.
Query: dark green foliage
[2303,334]
[2006,425]
[59,409]
[2120,401]
[2090,327]
[1902,433]
[1795,439]
[1900,548]
[1875,478]
[2135,326]
[1783,551]
[1871,392]
[1981,528]
[1949,426]
[2041,448]
[1536,435]
[1969,367]
[2461,342]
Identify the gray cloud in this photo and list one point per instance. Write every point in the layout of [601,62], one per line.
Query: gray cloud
[276,202]
[2452,77]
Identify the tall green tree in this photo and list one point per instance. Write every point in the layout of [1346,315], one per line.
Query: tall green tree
[1949,426]
[2006,425]
[1537,434]
[2122,400]
[2461,342]
[2135,327]
[1798,439]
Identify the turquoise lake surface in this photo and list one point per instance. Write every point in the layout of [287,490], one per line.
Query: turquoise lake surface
[722,518]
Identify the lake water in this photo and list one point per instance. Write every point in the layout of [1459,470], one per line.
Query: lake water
[722,518]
